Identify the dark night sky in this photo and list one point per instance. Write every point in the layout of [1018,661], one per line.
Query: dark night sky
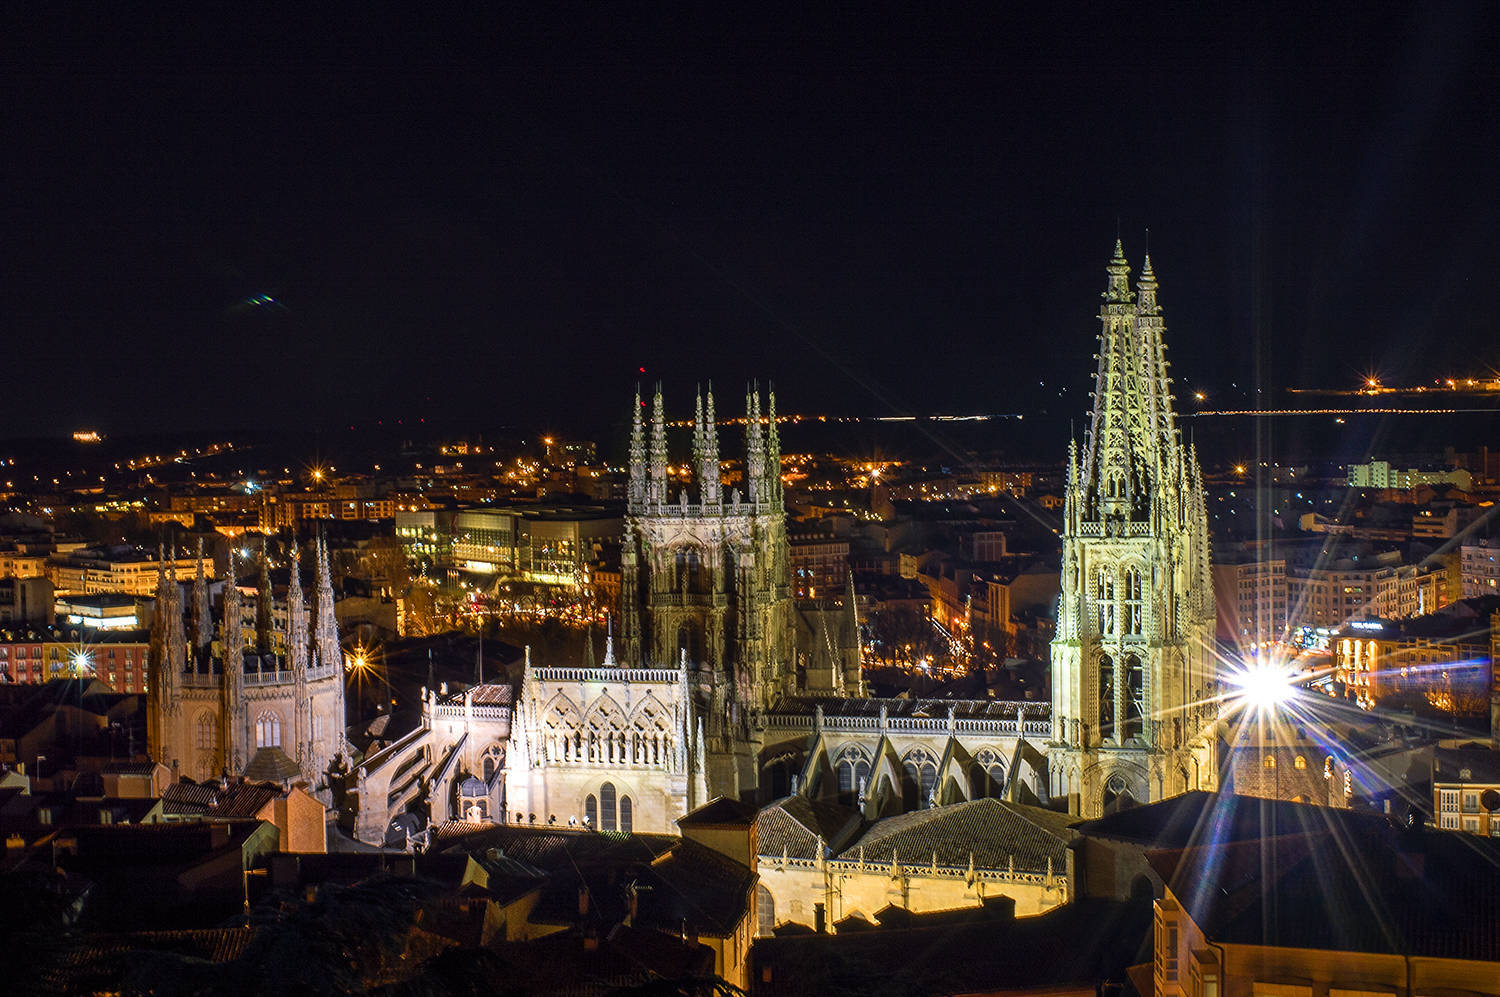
[499,220]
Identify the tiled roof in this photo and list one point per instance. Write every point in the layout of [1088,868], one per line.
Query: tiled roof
[870,707]
[678,880]
[1070,948]
[720,810]
[550,848]
[993,831]
[793,826]
[184,798]
[246,799]
[271,765]
[693,885]
[1197,818]
[1352,888]
[1450,764]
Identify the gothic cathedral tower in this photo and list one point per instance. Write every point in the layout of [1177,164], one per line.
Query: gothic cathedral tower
[706,580]
[1133,674]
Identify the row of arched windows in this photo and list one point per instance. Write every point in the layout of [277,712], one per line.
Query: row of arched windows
[609,811]
[919,769]
[607,736]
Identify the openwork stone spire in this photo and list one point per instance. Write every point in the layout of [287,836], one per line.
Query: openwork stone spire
[657,491]
[201,624]
[773,449]
[706,451]
[638,473]
[755,449]
[296,619]
[1133,669]
[235,730]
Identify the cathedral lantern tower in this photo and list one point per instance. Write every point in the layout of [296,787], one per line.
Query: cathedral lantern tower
[705,577]
[1133,673]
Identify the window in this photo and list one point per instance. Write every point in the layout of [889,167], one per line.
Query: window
[268,731]
[765,911]
[607,804]
[920,769]
[1300,763]
[1166,941]
[208,730]
[627,815]
[987,776]
[1106,697]
[1135,603]
[853,770]
[1104,597]
[1269,762]
[591,811]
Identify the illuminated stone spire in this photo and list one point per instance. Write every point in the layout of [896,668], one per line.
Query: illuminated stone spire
[162,698]
[1156,386]
[755,449]
[1133,670]
[176,638]
[234,730]
[773,450]
[201,624]
[706,452]
[325,641]
[636,495]
[296,620]
[264,606]
[1120,451]
[656,492]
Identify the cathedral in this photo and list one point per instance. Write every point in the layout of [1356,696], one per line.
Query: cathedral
[1133,672]
[258,700]
[726,685]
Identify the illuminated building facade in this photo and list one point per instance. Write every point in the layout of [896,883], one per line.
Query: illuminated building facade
[1250,597]
[1443,658]
[40,654]
[1466,790]
[1479,567]
[216,699]
[1331,595]
[1133,672]
[127,570]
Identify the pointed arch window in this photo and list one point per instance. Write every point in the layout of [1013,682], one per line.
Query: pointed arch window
[1106,697]
[1133,605]
[591,811]
[268,731]
[1135,692]
[987,775]
[920,770]
[208,731]
[1104,600]
[765,911]
[609,815]
[627,815]
[852,768]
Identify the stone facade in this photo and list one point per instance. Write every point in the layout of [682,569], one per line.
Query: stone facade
[1133,670]
[216,695]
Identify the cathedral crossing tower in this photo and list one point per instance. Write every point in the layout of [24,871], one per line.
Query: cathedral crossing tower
[1133,674]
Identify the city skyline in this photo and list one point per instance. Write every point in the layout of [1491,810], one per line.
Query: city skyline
[322,223]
